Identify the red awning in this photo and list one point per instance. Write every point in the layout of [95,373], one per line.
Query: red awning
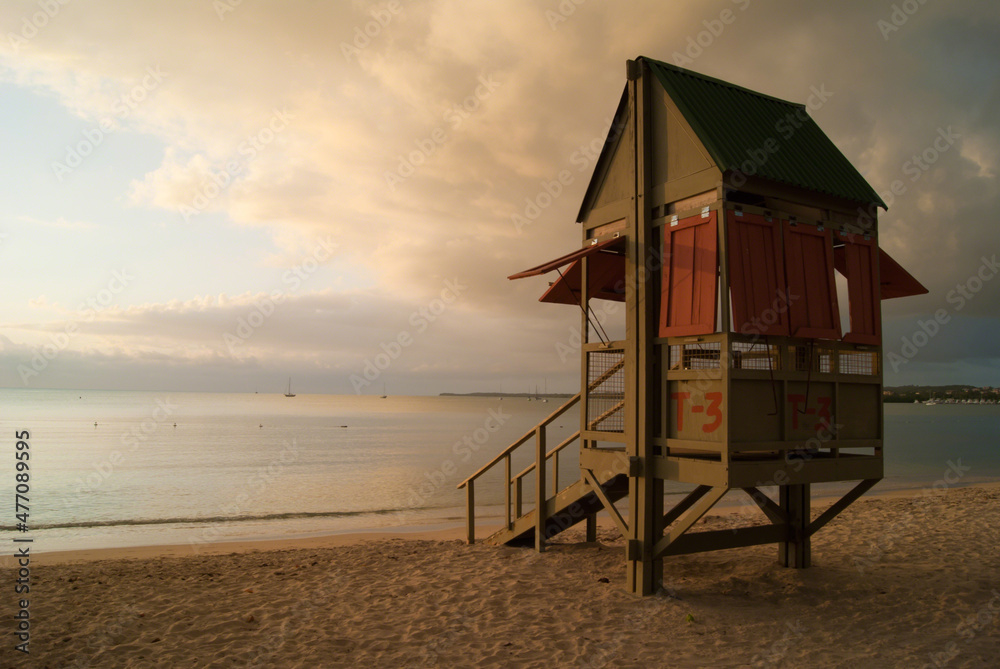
[564,260]
[896,281]
[606,280]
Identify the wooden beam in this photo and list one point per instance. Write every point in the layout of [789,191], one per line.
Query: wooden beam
[569,440]
[714,540]
[506,490]
[540,489]
[612,511]
[555,472]
[685,504]
[688,519]
[518,497]
[841,504]
[470,512]
[767,505]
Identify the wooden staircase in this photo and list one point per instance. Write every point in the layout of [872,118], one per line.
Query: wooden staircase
[551,513]
[563,510]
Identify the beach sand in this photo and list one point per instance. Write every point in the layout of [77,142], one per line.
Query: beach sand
[902,581]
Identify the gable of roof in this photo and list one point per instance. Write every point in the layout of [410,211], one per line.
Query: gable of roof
[736,124]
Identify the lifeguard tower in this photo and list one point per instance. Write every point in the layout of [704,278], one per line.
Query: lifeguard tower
[720,217]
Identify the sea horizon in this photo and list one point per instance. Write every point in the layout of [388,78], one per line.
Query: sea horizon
[260,466]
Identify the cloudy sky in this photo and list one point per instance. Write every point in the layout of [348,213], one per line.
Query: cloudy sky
[216,195]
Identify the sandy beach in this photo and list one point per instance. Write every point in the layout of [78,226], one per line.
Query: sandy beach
[909,580]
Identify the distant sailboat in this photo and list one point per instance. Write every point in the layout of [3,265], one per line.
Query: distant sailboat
[289,393]
[383,395]
[539,398]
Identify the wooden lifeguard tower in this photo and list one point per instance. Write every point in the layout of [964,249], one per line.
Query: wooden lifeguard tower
[720,217]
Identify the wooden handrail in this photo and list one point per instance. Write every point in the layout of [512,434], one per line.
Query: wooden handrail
[530,468]
[510,449]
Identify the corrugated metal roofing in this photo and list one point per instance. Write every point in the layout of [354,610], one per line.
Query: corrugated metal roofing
[735,124]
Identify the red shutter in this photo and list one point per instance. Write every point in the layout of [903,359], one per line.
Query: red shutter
[756,276]
[690,270]
[856,260]
[812,293]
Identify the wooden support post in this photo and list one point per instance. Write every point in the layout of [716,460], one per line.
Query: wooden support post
[506,490]
[591,527]
[470,512]
[555,472]
[540,489]
[644,572]
[794,503]
[519,497]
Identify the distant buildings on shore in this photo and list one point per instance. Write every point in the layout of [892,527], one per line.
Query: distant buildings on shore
[942,394]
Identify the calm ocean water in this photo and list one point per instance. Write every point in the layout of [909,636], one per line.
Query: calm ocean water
[191,468]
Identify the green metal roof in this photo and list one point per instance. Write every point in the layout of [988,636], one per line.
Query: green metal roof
[735,123]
